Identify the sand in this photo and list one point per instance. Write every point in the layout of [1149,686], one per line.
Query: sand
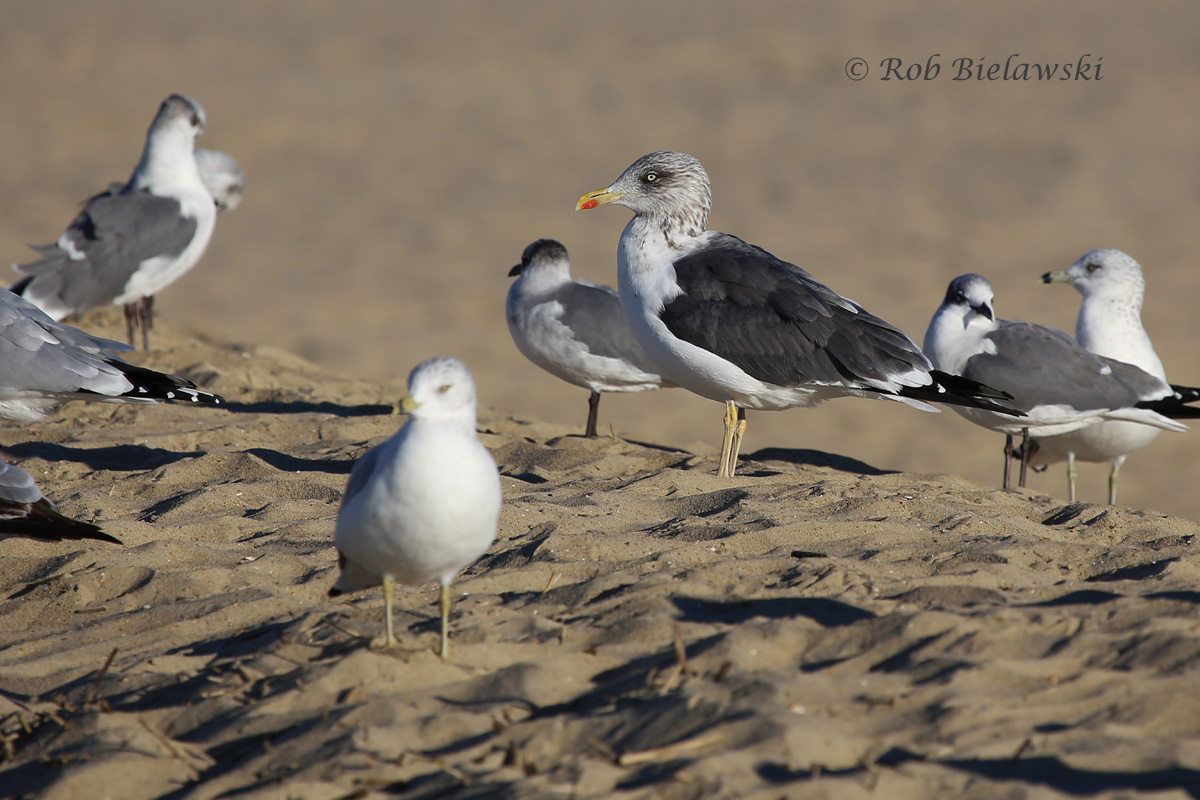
[859,613]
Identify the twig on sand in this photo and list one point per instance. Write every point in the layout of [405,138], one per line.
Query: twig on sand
[671,750]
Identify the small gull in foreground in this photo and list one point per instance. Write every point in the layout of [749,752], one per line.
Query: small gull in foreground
[1109,325]
[125,246]
[574,330]
[1059,385]
[425,504]
[25,512]
[43,363]
[733,323]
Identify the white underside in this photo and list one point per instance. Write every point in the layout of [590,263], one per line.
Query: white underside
[429,510]
[544,340]
[156,274]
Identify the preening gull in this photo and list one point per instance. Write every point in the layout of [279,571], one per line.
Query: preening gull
[126,246]
[574,330]
[1059,385]
[1109,325]
[425,504]
[733,323]
[223,177]
[25,512]
[43,363]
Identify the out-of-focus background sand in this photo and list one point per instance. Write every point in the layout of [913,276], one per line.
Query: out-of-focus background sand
[400,156]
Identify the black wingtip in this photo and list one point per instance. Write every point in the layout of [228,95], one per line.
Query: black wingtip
[43,522]
[956,390]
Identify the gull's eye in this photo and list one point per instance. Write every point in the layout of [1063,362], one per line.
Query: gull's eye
[651,177]
[445,387]
[1093,267]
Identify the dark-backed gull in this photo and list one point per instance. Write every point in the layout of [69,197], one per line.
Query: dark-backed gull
[733,323]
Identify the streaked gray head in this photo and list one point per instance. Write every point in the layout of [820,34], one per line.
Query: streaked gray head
[441,388]
[223,177]
[1106,271]
[973,292]
[178,108]
[668,187]
[543,252]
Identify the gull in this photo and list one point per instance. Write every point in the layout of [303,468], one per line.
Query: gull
[25,512]
[733,323]
[43,363]
[1109,325]
[425,504]
[127,245]
[1058,384]
[222,176]
[574,330]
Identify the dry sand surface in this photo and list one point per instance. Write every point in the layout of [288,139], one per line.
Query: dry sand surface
[814,627]
[859,613]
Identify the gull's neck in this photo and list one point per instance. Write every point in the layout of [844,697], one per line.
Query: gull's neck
[956,333]
[1110,325]
[168,163]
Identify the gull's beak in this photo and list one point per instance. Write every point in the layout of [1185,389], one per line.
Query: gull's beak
[408,404]
[598,198]
[984,310]
[512,273]
[1061,276]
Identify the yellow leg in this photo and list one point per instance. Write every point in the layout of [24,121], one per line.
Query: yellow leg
[389,593]
[739,429]
[444,601]
[735,426]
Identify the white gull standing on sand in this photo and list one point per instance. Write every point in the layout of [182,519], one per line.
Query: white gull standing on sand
[25,512]
[425,504]
[125,246]
[733,323]
[575,330]
[1059,385]
[43,363]
[1109,325]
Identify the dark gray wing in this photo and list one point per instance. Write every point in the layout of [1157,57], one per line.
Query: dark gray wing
[1042,366]
[594,315]
[115,232]
[780,325]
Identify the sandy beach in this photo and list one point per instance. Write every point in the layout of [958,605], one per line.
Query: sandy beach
[859,613]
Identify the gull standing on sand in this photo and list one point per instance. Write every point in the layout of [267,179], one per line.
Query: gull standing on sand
[25,512]
[1109,325]
[43,363]
[733,323]
[126,246]
[575,330]
[1059,385]
[425,504]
